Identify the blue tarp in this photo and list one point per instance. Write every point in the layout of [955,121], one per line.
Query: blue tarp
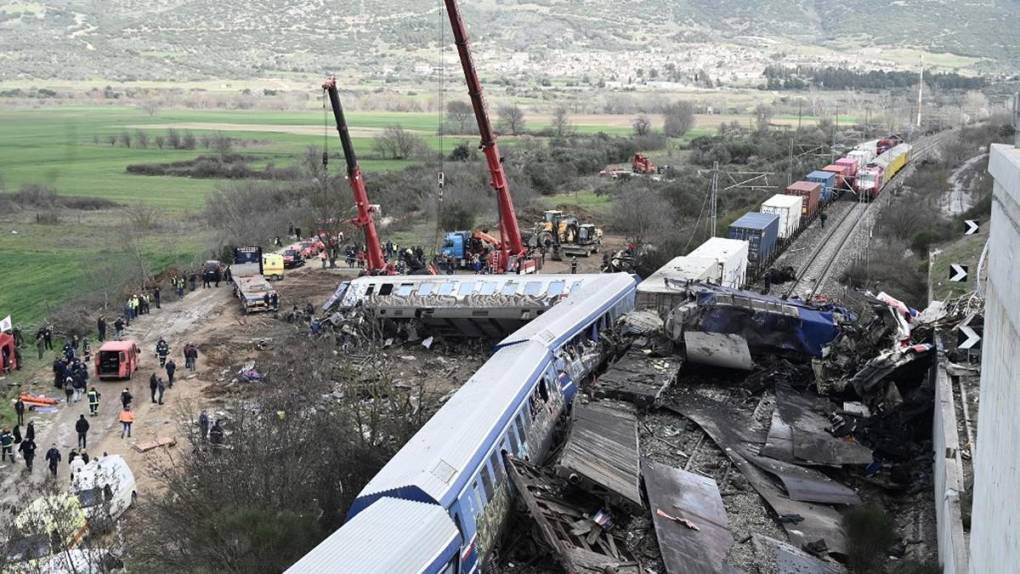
[768,323]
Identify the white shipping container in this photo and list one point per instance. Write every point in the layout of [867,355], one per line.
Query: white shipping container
[731,258]
[788,208]
[862,157]
[662,289]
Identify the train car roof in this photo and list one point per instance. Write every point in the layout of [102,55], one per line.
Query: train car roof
[553,327]
[432,465]
[393,535]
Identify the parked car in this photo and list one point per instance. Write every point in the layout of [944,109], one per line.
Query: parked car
[311,248]
[292,258]
[117,360]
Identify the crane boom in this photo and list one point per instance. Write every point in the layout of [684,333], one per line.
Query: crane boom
[510,233]
[375,261]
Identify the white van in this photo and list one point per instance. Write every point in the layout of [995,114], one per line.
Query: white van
[106,488]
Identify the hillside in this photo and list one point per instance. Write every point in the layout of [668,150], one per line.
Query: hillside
[198,39]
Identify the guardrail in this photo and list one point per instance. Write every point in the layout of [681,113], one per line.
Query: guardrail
[948,467]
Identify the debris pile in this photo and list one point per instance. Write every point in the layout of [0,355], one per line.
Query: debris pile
[737,397]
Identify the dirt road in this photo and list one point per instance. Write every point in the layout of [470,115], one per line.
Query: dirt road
[209,318]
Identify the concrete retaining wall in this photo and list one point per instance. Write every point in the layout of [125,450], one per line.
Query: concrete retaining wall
[948,467]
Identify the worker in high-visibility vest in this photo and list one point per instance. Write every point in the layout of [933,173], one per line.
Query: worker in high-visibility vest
[126,419]
[93,401]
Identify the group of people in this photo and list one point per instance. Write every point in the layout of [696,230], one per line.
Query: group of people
[137,305]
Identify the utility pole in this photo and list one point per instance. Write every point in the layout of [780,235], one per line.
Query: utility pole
[800,112]
[920,92]
[713,212]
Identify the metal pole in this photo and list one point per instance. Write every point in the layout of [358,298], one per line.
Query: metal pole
[714,208]
[920,93]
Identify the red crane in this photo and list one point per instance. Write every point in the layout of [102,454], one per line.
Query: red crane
[375,261]
[511,243]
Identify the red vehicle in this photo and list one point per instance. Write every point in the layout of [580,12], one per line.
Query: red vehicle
[117,360]
[292,256]
[641,164]
[10,358]
[311,248]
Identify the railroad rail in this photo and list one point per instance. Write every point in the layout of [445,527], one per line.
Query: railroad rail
[816,271]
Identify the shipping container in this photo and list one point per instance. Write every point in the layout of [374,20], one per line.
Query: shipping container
[862,157]
[661,290]
[730,257]
[828,181]
[788,208]
[760,231]
[851,167]
[810,193]
[842,178]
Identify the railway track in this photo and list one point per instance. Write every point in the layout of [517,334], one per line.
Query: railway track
[819,266]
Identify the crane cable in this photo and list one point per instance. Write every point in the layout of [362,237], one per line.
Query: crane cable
[441,176]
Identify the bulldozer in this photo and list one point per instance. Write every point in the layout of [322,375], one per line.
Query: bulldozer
[563,235]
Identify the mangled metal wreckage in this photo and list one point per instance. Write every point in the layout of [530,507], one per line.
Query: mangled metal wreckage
[491,306]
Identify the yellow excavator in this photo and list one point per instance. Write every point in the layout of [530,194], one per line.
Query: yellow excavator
[562,234]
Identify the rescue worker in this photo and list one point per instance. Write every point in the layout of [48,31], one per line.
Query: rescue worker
[48,337]
[93,401]
[118,327]
[29,431]
[86,350]
[69,389]
[126,418]
[153,384]
[216,433]
[322,258]
[274,301]
[7,444]
[77,464]
[573,265]
[822,218]
[27,449]
[19,409]
[203,425]
[171,368]
[101,328]
[40,346]
[82,427]
[53,457]
[162,350]
[155,295]
[161,388]
[125,398]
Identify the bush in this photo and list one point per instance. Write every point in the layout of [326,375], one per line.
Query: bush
[869,535]
[456,217]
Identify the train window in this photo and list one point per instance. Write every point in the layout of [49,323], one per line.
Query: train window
[555,289]
[425,289]
[487,482]
[543,390]
[467,287]
[386,288]
[532,288]
[405,289]
[370,290]
[497,466]
[488,288]
[515,445]
[446,288]
[479,503]
[510,288]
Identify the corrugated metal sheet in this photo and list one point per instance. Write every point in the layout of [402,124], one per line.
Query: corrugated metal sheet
[554,326]
[760,230]
[828,181]
[732,252]
[392,536]
[683,268]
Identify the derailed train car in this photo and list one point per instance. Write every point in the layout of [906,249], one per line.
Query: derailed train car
[439,504]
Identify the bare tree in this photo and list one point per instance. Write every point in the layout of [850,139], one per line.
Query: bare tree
[762,116]
[287,473]
[561,121]
[160,141]
[188,140]
[511,119]
[151,106]
[642,125]
[678,119]
[142,138]
[458,114]
[173,138]
[125,139]
[641,215]
[397,143]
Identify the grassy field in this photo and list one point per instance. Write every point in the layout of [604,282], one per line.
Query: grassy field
[964,251]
